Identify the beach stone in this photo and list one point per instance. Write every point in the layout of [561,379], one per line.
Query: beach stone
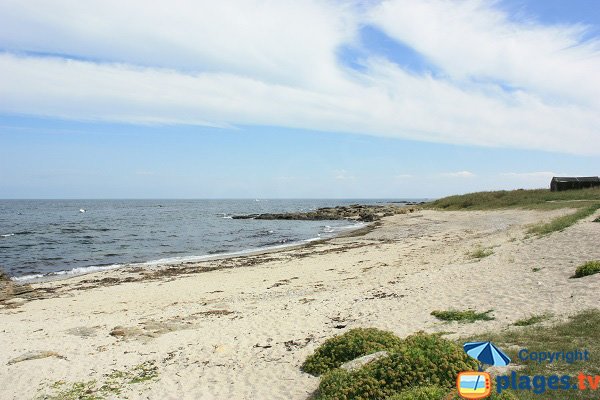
[126,332]
[15,301]
[35,355]
[83,331]
[364,360]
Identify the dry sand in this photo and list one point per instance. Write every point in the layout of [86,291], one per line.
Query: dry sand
[240,328]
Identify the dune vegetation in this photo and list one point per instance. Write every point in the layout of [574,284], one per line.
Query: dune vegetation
[585,201]
[424,366]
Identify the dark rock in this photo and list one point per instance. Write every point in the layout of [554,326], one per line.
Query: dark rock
[357,212]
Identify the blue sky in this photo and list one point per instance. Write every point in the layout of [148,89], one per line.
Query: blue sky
[394,99]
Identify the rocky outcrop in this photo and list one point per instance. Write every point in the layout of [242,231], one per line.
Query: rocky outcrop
[8,289]
[357,212]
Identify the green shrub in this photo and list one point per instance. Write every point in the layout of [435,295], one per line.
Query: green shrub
[440,393]
[422,393]
[462,316]
[352,344]
[422,360]
[589,268]
[505,395]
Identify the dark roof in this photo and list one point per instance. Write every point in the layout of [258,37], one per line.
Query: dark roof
[577,179]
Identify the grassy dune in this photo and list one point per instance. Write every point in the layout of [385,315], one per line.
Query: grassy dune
[530,199]
[586,201]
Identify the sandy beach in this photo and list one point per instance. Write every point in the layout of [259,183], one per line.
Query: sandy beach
[239,328]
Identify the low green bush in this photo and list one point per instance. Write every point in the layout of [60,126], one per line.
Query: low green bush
[422,360]
[589,268]
[506,395]
[352,344]
[440,393]
[422,393]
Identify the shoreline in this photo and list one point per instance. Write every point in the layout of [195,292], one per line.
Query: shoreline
[242,329]
[166,262]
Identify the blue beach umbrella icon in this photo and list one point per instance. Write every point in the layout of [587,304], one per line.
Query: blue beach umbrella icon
[487,353]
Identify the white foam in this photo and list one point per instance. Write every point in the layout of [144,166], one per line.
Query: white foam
[8,235]
[73,272]
[26,278]
[328,229]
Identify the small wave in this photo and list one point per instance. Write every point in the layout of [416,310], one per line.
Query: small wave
[262,234]
[72,230]
[7,235]
[218,251]
[26,278]
[101,229]
[280,242]
[73,272]
[328,229]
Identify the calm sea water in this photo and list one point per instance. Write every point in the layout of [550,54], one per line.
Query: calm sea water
[46,238]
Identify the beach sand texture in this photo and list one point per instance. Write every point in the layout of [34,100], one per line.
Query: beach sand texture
[242,328]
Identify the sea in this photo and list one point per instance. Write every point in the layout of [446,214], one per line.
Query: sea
[50,239]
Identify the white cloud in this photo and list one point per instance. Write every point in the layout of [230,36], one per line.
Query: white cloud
[342,175]
[459,174]
[274,63]
[473,40]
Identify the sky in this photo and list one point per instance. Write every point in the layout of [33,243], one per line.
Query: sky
[295,98]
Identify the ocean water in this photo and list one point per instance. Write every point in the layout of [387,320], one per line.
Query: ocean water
[42,239]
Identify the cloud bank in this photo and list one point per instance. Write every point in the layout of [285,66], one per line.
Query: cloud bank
[497,82]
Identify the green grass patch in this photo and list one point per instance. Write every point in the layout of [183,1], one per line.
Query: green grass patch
[468,316]
[534,319]
[531,199]
[421,393]
[589,268]
[352,344]
[113,384]
[578,332]
[480,253]
[560,223]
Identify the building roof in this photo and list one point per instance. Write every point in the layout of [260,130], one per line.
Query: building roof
[576,179]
